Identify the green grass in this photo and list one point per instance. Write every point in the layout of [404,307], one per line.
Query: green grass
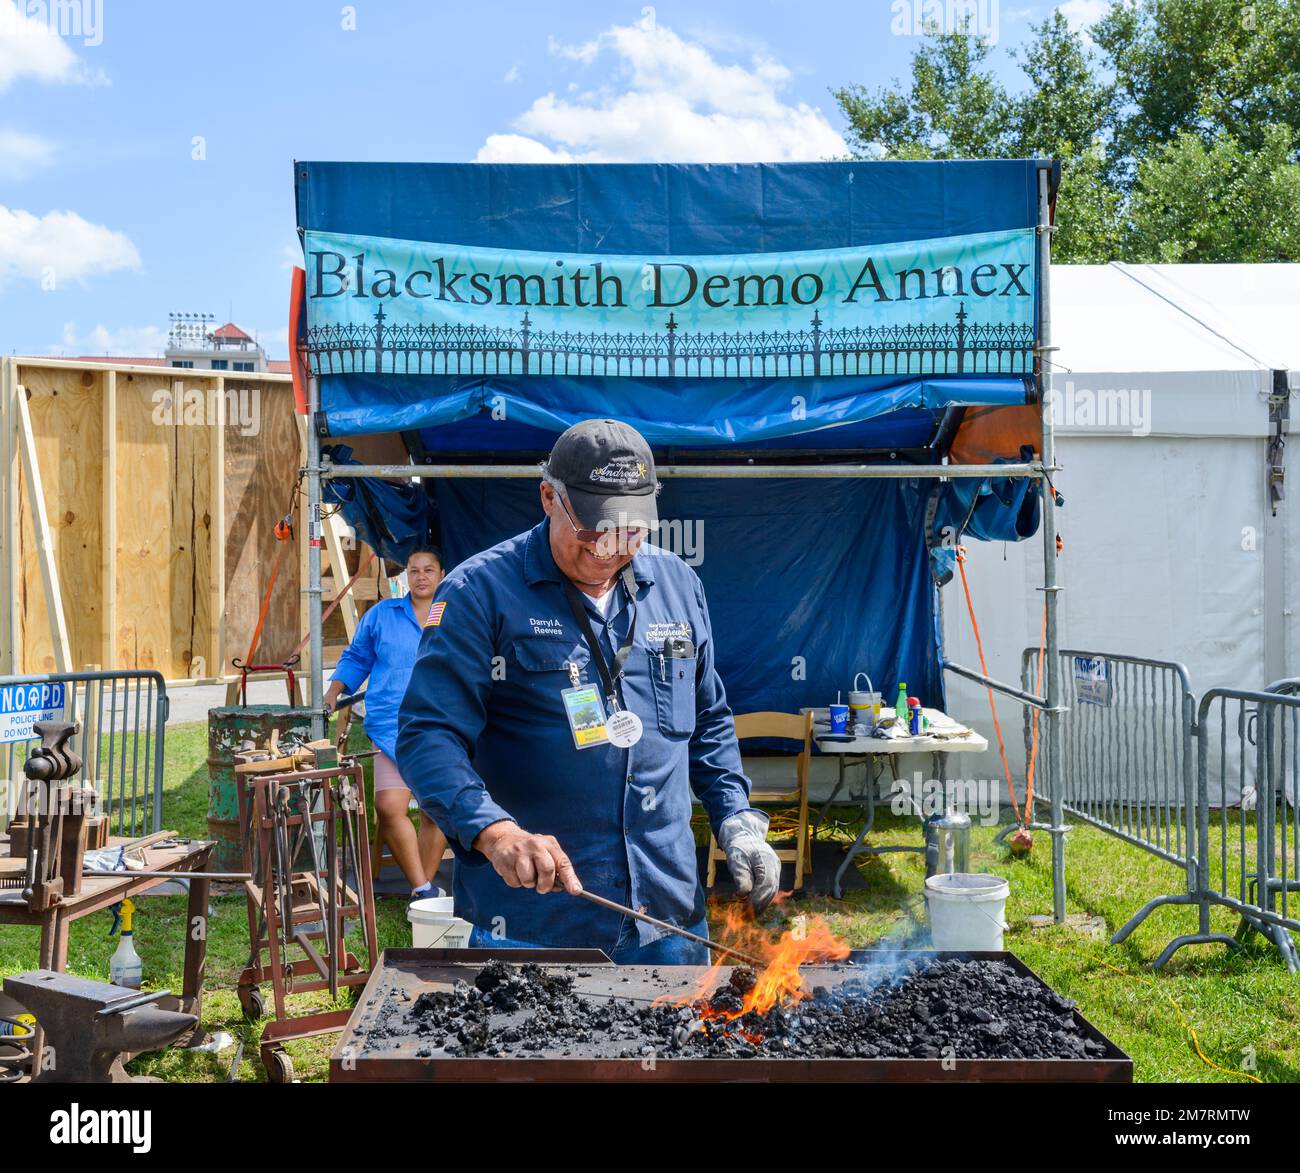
[1244,1006]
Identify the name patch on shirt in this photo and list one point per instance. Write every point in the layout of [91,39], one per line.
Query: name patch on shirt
[546,626]
[656,633]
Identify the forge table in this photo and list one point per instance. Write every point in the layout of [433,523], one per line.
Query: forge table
[162,852]
[943,737]
[380,1044]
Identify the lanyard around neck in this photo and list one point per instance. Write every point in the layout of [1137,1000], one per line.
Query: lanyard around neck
[608,676]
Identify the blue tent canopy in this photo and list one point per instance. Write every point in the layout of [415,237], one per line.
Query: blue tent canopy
[808,581]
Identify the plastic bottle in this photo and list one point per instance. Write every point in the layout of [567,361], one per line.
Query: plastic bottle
[125,968]
[900,705]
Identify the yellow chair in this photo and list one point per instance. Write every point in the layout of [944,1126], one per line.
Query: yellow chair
[790,727]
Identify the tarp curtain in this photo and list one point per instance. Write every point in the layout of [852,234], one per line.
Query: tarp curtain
[808,581]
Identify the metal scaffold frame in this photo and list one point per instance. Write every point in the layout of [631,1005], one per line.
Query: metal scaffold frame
[1042,469]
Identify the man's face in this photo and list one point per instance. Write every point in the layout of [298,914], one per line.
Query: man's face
[423,574]
[587,563]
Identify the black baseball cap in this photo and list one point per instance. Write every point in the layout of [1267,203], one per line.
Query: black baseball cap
[609,474]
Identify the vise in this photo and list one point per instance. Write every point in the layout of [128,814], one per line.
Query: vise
[51,829]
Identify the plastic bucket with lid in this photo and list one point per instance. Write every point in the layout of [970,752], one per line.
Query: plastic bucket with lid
[966,910]
[434,924]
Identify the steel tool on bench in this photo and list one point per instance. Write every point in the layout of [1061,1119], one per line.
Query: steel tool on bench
[90,1025]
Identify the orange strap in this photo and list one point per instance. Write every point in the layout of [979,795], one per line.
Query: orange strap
[1033,723]
[993,708]
[266,602]
[302,643]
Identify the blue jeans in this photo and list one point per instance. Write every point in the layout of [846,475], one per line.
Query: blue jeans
[668,950]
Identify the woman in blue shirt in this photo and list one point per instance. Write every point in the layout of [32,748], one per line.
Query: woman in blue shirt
[384,649]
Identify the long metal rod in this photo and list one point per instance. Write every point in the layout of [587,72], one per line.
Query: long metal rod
[1047,458]
[331,471]
[316,673]
[1025,698]
[131,873]
[716,946]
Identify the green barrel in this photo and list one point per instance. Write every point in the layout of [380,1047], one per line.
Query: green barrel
[227,729]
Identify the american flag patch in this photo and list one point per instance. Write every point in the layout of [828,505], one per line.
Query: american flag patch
[435,614]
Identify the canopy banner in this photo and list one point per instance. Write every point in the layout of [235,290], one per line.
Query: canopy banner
[952,306]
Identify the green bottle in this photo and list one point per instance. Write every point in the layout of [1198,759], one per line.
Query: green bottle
[900,705]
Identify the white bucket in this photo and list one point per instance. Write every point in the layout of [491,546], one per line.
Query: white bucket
[434,924]
[966,910]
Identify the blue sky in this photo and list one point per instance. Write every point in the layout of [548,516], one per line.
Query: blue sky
[146,145]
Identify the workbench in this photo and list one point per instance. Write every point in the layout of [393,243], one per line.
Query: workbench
[944,736]
[101,892]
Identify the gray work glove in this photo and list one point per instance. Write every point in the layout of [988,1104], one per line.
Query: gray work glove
[753,864]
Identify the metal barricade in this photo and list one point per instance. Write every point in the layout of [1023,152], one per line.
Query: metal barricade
[123,717]
[1247,757]
[1127,760]
[1126,752]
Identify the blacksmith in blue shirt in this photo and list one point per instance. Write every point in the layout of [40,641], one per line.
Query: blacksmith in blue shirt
[564,708]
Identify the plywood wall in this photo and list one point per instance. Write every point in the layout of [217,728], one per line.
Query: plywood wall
[66,414]
[163,544]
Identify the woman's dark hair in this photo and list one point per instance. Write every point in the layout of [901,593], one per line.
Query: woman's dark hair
[424,548]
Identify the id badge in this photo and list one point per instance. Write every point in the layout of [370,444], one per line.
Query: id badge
[586,714]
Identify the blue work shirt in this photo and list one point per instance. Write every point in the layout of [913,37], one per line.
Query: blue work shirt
[483,736]
[384,649]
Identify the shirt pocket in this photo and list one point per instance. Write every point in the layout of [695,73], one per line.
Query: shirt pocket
[674,686]
[546,654]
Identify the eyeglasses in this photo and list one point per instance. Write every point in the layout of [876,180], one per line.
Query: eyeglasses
[627,537]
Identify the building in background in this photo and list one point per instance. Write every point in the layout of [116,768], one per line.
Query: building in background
[193,344]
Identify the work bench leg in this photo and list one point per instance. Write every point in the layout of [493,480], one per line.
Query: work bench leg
[196,940]
[54,941]
[54,955]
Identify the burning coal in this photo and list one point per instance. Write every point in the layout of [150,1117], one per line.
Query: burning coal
[937,1009]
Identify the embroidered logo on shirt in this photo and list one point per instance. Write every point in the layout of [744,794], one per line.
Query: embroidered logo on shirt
[435,614]
[656,633]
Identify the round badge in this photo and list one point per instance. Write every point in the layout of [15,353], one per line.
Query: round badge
[624,728]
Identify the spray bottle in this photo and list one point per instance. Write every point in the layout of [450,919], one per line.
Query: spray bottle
[125,968]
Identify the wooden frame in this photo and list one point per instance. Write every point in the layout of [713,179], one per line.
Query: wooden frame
[151,540]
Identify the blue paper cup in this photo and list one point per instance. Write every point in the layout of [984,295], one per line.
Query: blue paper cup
[839,718]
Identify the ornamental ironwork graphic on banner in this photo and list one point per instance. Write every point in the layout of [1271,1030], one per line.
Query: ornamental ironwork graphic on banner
[952,306]
[957,347]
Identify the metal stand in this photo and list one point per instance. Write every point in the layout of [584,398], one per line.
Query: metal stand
[292,907]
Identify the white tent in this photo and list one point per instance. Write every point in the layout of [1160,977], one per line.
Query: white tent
[1173,549]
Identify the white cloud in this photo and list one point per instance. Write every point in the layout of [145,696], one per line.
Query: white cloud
[666,98]
[22,155]
[512,75]
[125,341]
[1081,13]
[30,48]
[60,246]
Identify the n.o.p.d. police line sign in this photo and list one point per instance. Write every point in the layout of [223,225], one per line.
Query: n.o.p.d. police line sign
[22,705]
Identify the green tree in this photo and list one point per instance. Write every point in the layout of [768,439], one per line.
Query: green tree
[1219,202]
[1177,135]
[954,108]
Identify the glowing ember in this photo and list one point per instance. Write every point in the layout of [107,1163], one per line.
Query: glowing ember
[778,983]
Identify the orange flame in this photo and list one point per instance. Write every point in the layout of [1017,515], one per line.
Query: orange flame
[780,982]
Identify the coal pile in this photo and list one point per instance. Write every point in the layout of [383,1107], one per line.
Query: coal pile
[939,1009]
